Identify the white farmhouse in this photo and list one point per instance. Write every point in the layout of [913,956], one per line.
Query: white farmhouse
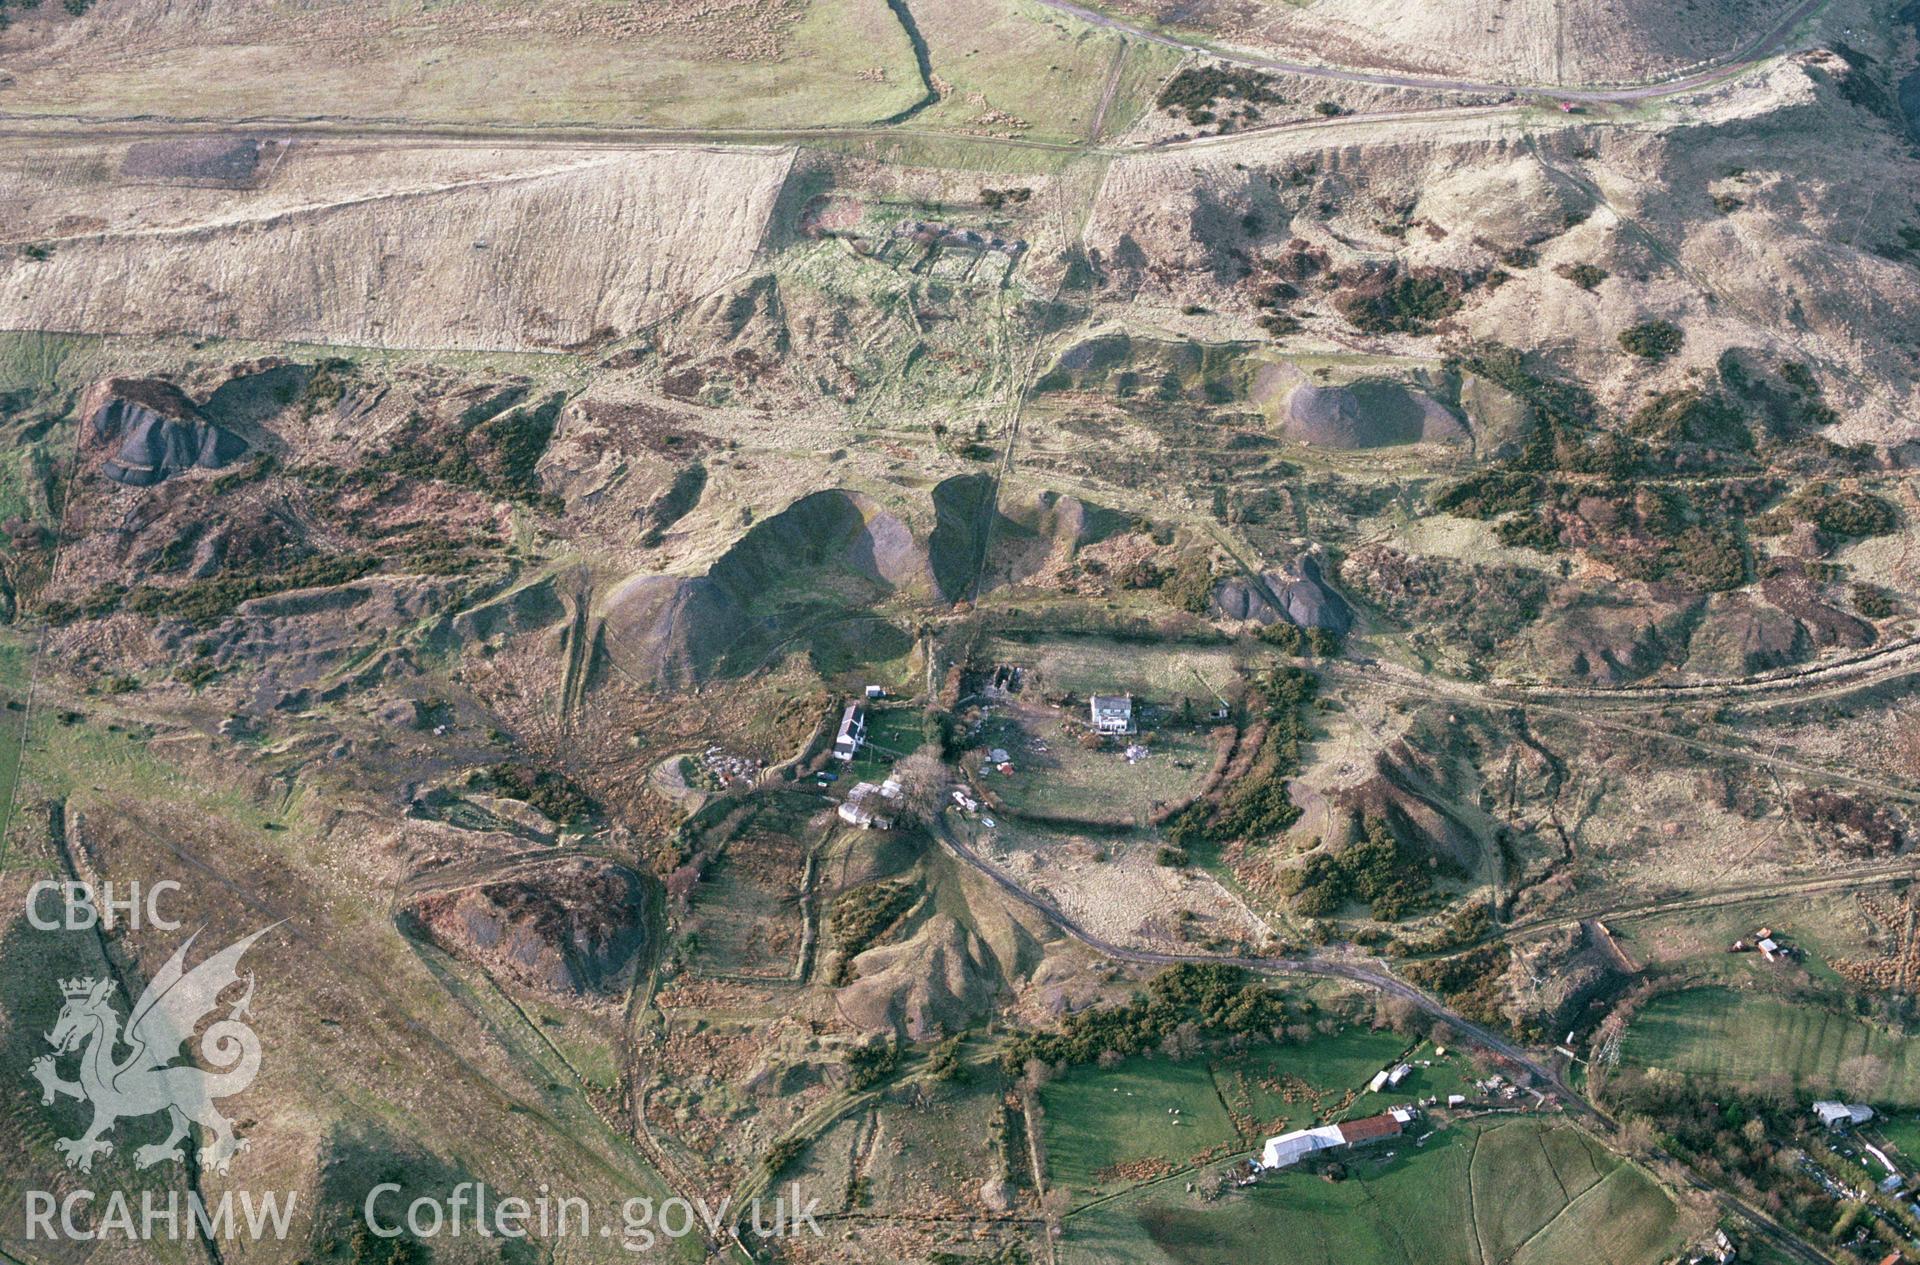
[1111,713]
[853,732]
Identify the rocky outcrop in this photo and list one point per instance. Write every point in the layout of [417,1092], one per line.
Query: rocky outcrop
[678,631]
[940,979]
[576,928]
[155,431]
[1305,599]
[1368,415]
[1036,535]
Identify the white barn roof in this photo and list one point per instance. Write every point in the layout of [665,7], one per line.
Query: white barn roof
[1288,1148]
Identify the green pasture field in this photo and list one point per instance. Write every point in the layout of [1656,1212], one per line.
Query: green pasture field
[1530,1191]
[1740,1037]
[1172,1112]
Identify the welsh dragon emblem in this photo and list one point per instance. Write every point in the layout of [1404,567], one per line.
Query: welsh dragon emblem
[145,1080]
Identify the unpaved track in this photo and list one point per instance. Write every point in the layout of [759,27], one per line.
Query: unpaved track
[1891,662]
[399,130]
[1378,675]
[402,131]
[1378,979]
[1773,41]
[1888,875]
[1373,977]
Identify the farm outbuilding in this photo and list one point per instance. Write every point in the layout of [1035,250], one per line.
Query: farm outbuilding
[1291,1148]
[1841,1115]
[870,807]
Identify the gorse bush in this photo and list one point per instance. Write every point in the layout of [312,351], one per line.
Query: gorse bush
[1217,999]
[1652,340]
[553,793]
[1375,869]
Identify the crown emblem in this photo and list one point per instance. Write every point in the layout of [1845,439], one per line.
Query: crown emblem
[79,988]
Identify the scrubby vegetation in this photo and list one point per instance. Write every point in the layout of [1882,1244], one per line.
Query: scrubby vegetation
[1197,92]
[325,385]
[1259,805]
[1392,880]
[1402,302]
[1189,587]
[1844,513]
[868,1065]
[1692,416]
[497,456]
[861,914]
[1559,412]
[1763,1145]
[1586,276]
[1652,340]
[1574,483]
[943,1061]
[1490,493]
[1835,513]
[1295,640]
[689,483]
[1790,407]
[1464,604]
[367,1248]
[205,601]
[1874,602]
[1471,982]
[782,1153]
[1528,531]
[253,472]
[555,794]
[1216,1000]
